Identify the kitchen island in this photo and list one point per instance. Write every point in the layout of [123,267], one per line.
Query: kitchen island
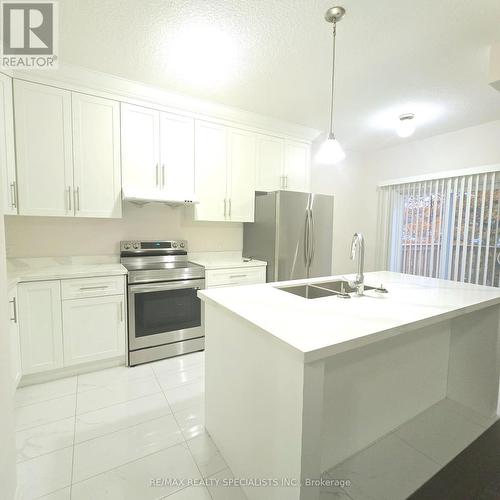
[295,385]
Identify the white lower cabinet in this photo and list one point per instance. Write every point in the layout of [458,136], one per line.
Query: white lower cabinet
[14,341]
[40,326]
[94,329]
[57,331]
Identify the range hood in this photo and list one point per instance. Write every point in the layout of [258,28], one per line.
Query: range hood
[140,197]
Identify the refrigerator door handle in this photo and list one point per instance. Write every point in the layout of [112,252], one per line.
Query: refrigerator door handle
[311,236]
[306,240]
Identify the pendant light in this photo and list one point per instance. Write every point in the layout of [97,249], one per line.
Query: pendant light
[331,152]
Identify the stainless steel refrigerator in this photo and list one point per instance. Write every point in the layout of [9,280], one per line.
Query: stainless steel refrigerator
[292,232]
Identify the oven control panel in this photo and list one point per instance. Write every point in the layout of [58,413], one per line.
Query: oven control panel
[152,245]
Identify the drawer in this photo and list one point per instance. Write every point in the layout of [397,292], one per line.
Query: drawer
[235,276]
[92,287]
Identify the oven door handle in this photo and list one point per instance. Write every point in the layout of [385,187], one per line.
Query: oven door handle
[173,285]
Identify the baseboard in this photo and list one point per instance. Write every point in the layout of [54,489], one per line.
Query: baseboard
[69,371]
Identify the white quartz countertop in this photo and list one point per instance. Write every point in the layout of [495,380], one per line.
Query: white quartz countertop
[24,270]
[321,327]
[223,260]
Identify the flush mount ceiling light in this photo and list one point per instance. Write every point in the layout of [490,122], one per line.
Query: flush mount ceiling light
[331,152]
[406,125]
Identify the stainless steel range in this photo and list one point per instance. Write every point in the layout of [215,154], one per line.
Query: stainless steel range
[164,312]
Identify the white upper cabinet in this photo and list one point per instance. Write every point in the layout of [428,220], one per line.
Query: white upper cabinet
[296,168]
[241,176]
[211,143]
[68,152]
[282,164]
[44,149]
[7,151]
[225,173]
[270,163]
[157,153]
[79,155]
[96,154]
[140,132]
[177,154]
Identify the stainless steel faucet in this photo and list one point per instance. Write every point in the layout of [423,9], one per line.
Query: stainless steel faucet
[358,242]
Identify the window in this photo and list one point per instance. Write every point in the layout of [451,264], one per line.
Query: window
[443,228]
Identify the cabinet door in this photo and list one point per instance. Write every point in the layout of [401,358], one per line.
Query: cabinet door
[210,171]
[94,329]
[96,156]
[14,341]
[40,326]
[140,134]
[177,154]
[270,162]
[241,175]
[7,151]
[44,149]
[296,171]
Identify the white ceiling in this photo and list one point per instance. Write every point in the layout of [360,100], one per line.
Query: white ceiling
[428,56]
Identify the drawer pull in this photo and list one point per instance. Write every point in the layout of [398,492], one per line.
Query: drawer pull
[233,276]
[94,287]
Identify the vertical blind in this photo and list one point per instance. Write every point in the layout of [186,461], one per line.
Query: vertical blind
[442,228]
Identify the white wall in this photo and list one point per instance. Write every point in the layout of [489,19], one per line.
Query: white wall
[354,182]
[348,184]
[68,236]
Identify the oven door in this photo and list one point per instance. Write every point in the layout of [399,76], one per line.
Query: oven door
[162,313]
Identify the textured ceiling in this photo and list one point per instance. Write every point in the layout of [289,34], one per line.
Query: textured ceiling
[429,57]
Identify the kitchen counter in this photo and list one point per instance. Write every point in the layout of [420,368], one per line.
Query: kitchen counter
[223,260]
[314,382]
[334,325]
[56,268]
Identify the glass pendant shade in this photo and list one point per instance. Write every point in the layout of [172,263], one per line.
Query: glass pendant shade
[330,152]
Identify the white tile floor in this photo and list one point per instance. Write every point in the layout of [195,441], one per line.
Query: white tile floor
[399,463]
[107,434]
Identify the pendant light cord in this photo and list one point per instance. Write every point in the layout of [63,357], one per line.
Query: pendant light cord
[332,134]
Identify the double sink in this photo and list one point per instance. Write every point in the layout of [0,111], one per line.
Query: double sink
[334,288]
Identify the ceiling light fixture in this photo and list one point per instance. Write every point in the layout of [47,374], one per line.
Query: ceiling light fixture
[331,152]
[406,125]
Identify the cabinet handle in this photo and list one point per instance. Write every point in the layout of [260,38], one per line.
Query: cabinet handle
[121,311]
[285,182]
[13,194]
[234,276]
[94,287]
[163,176]
[14,308]
[77,198]
[69,199]
[225,205]
[230,199]
[157,175]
